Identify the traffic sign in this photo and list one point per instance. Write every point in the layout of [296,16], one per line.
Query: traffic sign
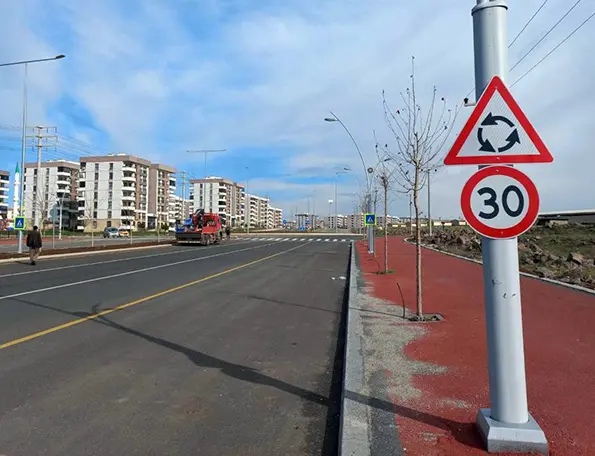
[497,132]
[370,219]
[500,202]
[19,223]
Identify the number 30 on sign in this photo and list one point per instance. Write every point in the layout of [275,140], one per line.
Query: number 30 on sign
[500,202]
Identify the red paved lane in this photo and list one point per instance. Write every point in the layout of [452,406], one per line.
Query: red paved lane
[559,325]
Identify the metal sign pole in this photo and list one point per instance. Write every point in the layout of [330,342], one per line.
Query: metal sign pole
[507,425]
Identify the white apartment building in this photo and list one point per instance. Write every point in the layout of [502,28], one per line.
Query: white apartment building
[162,184]
[274,217]
[179,209]
[258,211]
[55,187]
[113,191]
[4,186]
[220,196]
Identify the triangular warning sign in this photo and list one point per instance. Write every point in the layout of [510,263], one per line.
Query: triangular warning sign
[497,132]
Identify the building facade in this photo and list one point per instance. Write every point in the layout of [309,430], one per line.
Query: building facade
[179,209]
[51,193]
[274,217]
[220,196]
[338,221]
[4,187]
[162,184]
[113,191]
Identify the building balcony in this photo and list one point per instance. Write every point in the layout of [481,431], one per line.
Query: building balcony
[129,179]
[128,168]
[129,198]
[4,180]
[127,217]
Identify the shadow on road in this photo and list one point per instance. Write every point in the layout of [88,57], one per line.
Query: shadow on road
[200,359]
[463,432]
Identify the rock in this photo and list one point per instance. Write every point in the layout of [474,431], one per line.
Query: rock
[575,258]
[553,258]
[523,247]
[475,245]
[462,240]
[539,258]
[544,272]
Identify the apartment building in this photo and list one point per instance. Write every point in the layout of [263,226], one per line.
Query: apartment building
[220,196]
[338,221]
[51,192]
[113,191]
[274,217]
[179,209]
[162,184]
[355,222]
[4,186]
[258,211]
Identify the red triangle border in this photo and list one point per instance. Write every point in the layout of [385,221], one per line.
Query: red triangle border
[497,85]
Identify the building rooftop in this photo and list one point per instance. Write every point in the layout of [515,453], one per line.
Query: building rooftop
[115,158]
[54,164]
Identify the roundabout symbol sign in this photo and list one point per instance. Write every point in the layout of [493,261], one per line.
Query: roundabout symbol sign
[500,202]
[511,140]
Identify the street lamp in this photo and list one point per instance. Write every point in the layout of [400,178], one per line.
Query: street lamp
[24,135]
[344,171]
[367,171]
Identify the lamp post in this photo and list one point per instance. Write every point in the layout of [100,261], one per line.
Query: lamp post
[344,171]
[24,135]
[367,171]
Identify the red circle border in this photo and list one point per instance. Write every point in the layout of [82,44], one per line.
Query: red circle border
[500,233]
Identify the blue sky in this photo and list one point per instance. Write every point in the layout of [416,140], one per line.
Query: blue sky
[156,77]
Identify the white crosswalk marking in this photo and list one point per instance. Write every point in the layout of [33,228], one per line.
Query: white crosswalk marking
[326,240]
[318,240]
[343,240]
[335,240]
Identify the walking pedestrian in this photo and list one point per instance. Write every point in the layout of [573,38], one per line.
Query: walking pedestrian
[228,231]
[34,243]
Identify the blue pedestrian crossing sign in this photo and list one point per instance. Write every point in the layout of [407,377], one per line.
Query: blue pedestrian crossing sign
[370,219]
[19,223]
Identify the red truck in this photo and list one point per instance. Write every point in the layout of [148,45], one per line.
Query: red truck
[202,228]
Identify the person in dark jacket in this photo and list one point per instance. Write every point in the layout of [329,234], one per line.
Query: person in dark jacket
[228,231]
[34,243]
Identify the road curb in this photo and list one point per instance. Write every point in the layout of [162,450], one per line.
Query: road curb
[91,252]
[354,439]
[524,274]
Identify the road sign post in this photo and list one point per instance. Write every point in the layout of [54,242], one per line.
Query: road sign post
[507,425]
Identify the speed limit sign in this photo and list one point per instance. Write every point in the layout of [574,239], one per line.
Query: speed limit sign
[500,202]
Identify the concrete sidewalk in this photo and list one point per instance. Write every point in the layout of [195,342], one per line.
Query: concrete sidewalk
[415,389]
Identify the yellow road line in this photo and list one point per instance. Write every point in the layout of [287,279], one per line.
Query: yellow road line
[54,329]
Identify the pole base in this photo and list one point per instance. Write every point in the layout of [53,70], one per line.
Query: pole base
[520,438]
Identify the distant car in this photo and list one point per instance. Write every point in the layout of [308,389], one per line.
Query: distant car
[124,232]
[111,232]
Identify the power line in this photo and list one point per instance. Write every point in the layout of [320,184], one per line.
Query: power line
[527,24]
[546,35]
[554,49]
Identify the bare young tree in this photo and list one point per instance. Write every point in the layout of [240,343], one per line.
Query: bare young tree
[419,138]
[385,177]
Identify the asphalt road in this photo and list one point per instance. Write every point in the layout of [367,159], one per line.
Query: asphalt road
[220,350]
[85,241]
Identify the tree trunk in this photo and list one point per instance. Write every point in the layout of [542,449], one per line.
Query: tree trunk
[417,244]
[385,230]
